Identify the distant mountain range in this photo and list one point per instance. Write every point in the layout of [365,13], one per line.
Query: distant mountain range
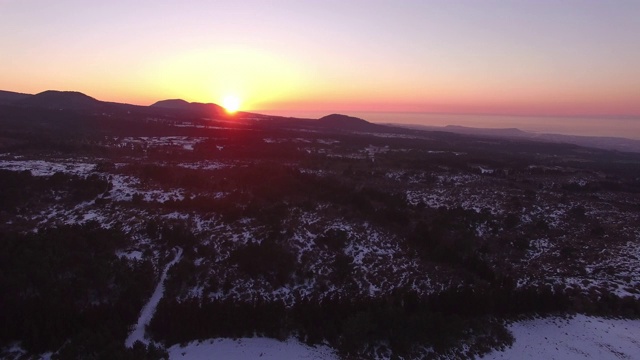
[599,142]
[73,100]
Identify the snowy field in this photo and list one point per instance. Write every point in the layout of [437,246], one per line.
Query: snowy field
[248,349]
[48,168]
[581,337]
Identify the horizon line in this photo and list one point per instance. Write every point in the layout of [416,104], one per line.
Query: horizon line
[346,112]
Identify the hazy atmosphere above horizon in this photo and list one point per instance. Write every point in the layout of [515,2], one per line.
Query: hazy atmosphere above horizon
[560,58]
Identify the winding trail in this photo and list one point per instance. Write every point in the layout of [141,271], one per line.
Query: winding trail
[139,332]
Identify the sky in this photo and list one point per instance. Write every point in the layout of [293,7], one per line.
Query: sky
[528,57]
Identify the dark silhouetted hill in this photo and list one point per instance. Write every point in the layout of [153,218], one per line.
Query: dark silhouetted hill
[195,108]
[172,104]
[7,97]
[345,122]
[52,99]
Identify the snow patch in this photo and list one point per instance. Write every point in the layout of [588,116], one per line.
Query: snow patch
[581,337]
[48,168]
[249,348]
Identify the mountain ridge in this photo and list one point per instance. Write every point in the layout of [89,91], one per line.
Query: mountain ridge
[171,104]
[78,101]
[8,97]
[598,142]
[54,99]
[203,109]
[346,122]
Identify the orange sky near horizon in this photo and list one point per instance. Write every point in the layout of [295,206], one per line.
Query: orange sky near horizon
[572,58]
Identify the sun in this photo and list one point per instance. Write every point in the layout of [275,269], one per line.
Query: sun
[231,103]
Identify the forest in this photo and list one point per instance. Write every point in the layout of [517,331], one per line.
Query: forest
[392,243]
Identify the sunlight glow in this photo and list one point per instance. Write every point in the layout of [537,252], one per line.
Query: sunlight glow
[231,103]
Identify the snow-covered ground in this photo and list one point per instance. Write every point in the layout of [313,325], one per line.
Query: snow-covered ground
[205,165]
[554,338]
[580,337]
[248,349]
[48,168]
[138,333]
[186,142]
